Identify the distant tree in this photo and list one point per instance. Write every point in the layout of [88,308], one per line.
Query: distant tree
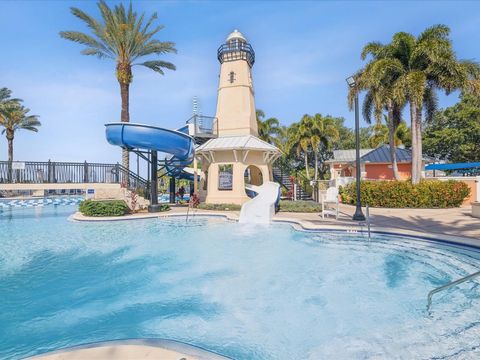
[269,130]
[124,37]
[13,117]
[381,135]
[454,133]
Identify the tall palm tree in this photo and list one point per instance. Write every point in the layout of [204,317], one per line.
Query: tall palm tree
[380,97]
[269,129]
[123,36]
[415,67]
[14,116]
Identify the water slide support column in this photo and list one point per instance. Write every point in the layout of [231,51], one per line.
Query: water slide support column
[195,174]
[154,206]
[172,190]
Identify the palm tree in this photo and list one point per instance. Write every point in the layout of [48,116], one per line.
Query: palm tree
[14,116]
[298,140]
[269,130]
[123,36]
[379,97]
[325,133]
[414,68]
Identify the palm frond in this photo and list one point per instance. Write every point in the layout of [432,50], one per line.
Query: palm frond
[372,48]
[438,31]
[158,65]
[430,103]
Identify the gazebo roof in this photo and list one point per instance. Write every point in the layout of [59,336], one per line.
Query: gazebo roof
[243,142]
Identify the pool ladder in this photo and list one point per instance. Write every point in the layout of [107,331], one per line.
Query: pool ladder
[447,286]
[367,211]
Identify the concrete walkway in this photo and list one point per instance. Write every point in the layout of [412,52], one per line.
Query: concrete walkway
[456,222]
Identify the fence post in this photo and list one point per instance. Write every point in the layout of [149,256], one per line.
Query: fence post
[54,178]
[49,171]
[117,173]
[85,172]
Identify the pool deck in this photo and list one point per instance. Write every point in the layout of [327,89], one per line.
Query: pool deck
[456,225]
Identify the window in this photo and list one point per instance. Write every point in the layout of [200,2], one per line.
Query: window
[231,77]
[225,177]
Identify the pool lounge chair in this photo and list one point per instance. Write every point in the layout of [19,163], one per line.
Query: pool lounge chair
[330,202]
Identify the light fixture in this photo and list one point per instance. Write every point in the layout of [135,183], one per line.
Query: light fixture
[351,81]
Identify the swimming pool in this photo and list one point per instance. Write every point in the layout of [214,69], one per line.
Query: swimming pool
[247,292]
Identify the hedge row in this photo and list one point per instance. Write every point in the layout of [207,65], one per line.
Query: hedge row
[402,194]
[104,208]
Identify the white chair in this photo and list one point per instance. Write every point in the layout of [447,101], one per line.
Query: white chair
[329,200]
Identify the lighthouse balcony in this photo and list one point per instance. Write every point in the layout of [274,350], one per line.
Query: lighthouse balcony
[201,128]
[233,51]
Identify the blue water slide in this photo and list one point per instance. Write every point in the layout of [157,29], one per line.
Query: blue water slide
[138,136]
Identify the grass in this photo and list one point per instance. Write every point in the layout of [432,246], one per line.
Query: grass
[300,206]
[220,207]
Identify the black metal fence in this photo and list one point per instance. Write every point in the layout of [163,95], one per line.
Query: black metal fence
[34,172]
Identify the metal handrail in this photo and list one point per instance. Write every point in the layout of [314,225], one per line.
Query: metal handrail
[449,285]
[37,172]
[367,211]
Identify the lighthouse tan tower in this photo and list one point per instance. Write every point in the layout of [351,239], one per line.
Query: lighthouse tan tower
[237,158]
[236,103]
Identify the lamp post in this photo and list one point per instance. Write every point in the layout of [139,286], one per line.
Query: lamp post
[358,216]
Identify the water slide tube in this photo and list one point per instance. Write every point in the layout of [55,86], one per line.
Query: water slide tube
[178,145]
[261,208]
[138,136]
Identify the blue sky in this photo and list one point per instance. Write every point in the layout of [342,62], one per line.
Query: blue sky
[304,52]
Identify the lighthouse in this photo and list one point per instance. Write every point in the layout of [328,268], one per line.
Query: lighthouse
[236,103]
[236,158]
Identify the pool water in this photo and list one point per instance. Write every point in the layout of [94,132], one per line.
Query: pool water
[247,292]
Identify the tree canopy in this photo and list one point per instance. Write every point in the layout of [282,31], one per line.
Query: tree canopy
[454,133]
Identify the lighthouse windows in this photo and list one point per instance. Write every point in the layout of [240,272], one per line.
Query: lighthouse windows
[231,77]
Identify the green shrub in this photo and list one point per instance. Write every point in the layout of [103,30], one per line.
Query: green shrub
[104,208]
[300,206]
[164,207]
[220,207]
[402,194]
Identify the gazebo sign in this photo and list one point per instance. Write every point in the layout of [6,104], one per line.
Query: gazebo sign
[18,165]
[225,177]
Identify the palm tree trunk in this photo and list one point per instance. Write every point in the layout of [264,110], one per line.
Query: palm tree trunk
[391,139]
[416,143]
[316,177]
[418,132]
[306,166]
[125,117]
[10,135]
[10,149]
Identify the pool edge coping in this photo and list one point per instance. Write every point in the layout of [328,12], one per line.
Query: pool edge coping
[183,348]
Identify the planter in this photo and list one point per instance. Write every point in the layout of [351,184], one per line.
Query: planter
[476,209]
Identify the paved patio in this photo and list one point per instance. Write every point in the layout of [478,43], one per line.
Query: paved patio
[456,222]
